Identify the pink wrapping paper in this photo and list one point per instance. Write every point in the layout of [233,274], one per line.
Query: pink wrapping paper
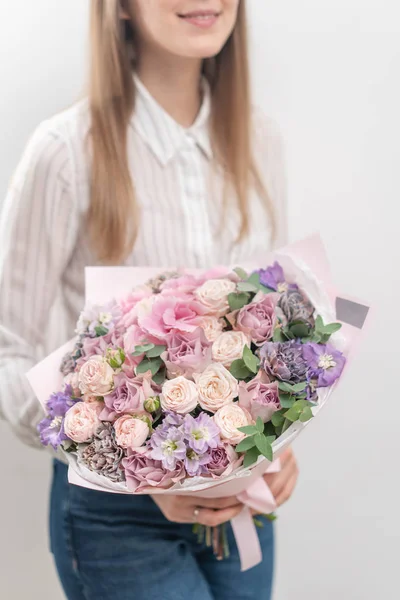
[308,263]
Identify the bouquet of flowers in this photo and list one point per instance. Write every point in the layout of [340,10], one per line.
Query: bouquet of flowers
[193,379]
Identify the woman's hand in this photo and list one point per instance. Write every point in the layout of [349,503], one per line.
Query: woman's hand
[282,484]
[205,511]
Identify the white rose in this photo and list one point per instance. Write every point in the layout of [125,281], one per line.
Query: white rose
[213,295]
[216,386]
[229,347]
[179,395]
[96,377]
[229,418]
[82,421]
[212,327]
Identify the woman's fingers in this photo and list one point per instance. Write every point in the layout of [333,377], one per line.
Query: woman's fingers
[216,503]
[287,491]
[213,518]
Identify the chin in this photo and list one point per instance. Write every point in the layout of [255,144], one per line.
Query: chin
[204,50]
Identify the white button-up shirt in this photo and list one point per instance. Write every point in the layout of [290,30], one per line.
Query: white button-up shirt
[44,245]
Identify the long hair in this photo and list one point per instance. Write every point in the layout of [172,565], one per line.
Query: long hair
[114,216]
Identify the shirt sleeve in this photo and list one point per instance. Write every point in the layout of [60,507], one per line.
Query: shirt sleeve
[38,229]
[271,161]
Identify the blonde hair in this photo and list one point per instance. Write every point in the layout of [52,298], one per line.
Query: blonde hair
[113,217]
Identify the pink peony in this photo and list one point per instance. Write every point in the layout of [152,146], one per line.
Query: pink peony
[128,396]
[130,432]
[260,397]
[142,473]
[187,353]
[229,418]
[82,421]
[168,313]
[179,286]
[258,319]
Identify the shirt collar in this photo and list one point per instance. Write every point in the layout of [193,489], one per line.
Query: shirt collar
[163,135]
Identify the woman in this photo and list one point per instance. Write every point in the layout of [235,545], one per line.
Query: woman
[160,165]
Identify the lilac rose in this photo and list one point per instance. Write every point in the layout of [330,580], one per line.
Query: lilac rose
[223,460]
[143,473]
[187,353]
[260,397]
[258,319]
[128,396]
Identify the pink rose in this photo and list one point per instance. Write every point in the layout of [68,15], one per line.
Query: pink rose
[216,387]
[187,353]
[179,395]
[128,396]
[223,461]
[96,377]
[229,347]
[213,295]
[169,313]
[130,432]
[82,421]
[142,473]
[212,327]
[260,397]
[229,418]
[258,319]
[178,286]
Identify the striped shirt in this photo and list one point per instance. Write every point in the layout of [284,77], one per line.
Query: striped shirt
[44,247]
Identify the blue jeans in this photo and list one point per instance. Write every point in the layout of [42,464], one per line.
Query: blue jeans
[121,547]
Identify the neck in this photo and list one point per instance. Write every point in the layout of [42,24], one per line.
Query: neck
[174,83]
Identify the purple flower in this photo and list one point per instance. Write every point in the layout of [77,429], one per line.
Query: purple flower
[195,462]
[128,395]
[188,352]
[168,446]
[325,363]
[223,460]
[260,397]
[172,418]
[274,278]
[52,432]
[295,306]
[143,473]
[284,361]
[201,433]
[59,403]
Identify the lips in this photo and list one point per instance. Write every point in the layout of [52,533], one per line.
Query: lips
[200,14]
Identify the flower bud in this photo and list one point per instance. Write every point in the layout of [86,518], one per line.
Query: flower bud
[152,404]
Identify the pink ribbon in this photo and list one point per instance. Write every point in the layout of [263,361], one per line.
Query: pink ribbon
[259,497]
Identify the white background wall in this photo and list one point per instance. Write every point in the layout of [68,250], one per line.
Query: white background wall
[328,71]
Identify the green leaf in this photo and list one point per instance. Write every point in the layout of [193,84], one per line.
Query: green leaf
[248,429]
[101,330]
[270,438]
[245,286]
[317,337]
[299,331]
[142,349]
[240,273]
[250,360]
[299,387]
[286,425]
[286,332]
[152,365]
[239,370]
[255,280]
[251,457]
[319,324]
[160,377]
[286,400]
[246,444]
[264,446]
[156,351]
[332,328]
[293,413]
[260,425]
[277,419]
[278,335]
[271,517]
[285,387]
[237,301]
[306,415]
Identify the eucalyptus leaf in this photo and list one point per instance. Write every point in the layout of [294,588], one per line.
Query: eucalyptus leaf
[332,328]
[245,286]
[264,446]
[299,331]
[277,419]
[293,413]
[278,335]
[237,301]
[160,377]
[299,387]
[286,400]
[156,351]
[285,387]
[152,365]
[239,370]
[306,415]
[240,273]
[142,349]
[250,360]
[101,330]
[246,444]
[251,457]
[319,324]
